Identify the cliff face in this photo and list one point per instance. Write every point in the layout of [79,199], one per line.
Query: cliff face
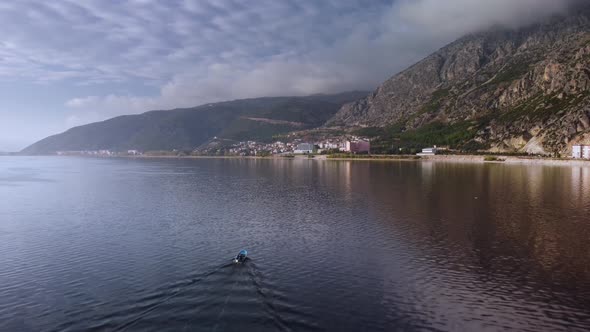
[525,90]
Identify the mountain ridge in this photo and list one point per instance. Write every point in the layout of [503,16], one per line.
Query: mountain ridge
[479,81]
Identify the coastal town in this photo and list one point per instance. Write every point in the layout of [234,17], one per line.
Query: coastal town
[355,145]
[352,145]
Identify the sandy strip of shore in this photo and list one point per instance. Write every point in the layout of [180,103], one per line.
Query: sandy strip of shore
[506,160]
[475,159]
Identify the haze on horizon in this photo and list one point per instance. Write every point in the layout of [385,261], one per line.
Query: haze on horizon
[65,63]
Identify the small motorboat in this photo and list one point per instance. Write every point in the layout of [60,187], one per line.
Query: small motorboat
[241,257]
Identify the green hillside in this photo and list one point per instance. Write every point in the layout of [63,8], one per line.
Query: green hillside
[248,119]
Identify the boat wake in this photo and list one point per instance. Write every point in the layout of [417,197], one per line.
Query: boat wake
[177,290]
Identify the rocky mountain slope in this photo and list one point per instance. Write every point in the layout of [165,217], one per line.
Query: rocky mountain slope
[525,90]
[186,129]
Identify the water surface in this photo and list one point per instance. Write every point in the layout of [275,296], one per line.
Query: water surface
[140,245]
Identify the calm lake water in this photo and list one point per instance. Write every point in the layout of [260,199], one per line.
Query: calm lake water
[140,245]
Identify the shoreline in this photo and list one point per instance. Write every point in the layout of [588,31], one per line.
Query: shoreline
[477,159]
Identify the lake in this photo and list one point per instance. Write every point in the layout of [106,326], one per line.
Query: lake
[146,245]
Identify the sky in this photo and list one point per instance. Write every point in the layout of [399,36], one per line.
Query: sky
[65,63]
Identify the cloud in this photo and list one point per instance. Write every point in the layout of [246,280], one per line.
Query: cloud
[200,51]
[463,16]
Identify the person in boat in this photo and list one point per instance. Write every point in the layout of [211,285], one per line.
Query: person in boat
[241,257]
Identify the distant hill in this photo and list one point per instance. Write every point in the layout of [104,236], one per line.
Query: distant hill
[182,129]
[524,90]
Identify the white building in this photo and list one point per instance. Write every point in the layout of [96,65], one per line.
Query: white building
[330,145]
[429,151]
[581,152]
[304,148]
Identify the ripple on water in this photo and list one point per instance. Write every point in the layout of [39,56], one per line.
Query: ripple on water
[140,245]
